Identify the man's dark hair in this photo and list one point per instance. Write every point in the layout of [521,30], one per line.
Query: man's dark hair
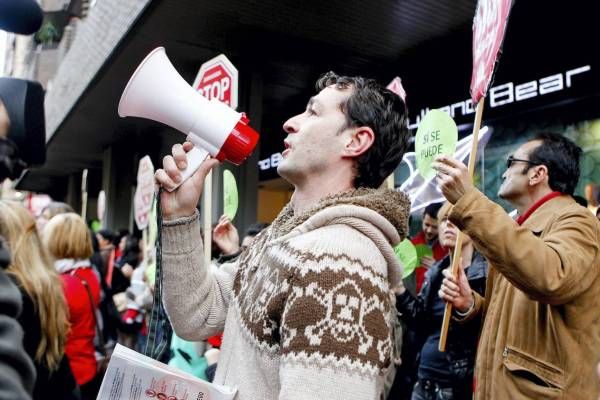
[372,105]
[432,210]
[580,200]
[107,235]
[256,228]
[561,156]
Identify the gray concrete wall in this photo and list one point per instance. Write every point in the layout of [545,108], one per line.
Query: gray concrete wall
[96,38]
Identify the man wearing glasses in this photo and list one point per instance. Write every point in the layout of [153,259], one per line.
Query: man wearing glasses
[541,333]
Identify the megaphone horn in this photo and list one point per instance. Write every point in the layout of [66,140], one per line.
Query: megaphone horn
[156,91]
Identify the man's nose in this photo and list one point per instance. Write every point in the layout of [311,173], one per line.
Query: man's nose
[291,125]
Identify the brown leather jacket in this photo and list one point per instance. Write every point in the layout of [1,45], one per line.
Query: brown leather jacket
[541,333]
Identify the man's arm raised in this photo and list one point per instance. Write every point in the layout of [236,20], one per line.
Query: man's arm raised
[196,297]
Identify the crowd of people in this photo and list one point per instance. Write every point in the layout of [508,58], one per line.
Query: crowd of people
[83,292]
[69,279]
[313,306]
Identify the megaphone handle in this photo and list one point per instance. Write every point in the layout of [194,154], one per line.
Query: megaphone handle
[195,157]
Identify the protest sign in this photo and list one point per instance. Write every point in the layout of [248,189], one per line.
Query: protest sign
[437,135]
[230,195]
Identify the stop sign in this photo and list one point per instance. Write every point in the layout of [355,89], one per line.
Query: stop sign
[218,79]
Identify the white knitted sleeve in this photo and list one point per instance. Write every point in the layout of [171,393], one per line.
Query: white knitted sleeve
[196,298]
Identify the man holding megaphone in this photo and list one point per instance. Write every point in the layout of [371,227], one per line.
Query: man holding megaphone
[307,309]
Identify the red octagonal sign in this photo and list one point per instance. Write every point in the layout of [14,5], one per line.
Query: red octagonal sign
[218,79]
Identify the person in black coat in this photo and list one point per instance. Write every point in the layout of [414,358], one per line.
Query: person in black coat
[16,369]
[447,375]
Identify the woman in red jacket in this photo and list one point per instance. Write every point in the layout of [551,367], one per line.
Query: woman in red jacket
[68,240]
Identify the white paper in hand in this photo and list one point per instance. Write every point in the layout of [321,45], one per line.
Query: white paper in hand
[131,375]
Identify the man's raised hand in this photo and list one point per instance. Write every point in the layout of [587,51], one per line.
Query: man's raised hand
[182,201]
[453,177]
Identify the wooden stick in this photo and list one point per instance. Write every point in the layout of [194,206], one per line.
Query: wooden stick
[459,238]
[389,182]
[84,194]
[207,217]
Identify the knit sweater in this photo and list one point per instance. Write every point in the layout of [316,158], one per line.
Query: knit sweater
[307,309]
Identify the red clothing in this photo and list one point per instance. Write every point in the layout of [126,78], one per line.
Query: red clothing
[538,204]
[215,341]
[79,347]
[438,252]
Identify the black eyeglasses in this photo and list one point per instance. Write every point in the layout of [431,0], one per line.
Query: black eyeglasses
[511,160]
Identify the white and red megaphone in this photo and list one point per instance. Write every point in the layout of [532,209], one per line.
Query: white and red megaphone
[157,92]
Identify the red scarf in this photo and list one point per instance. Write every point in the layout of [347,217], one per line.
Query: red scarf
[538,204]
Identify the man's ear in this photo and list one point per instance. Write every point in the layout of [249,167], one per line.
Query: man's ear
[360,140]
[539,175]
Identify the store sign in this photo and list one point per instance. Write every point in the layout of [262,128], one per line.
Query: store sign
[271,162]
[499,96]
[509,93]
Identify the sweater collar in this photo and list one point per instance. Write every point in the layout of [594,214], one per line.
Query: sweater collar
[392,205]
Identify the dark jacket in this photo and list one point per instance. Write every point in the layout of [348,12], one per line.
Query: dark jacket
[61,382]
[417,312]
[16,369]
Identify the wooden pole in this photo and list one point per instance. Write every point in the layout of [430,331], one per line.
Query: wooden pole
[389,182]
[84,194]
[207,218]
[459,238]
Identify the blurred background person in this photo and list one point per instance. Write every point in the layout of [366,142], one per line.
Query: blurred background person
[448,375]
[44,317]
[130,255]
[111,319]
[121,233]
[113,275]
[132,301]
[106,249]
[69,242]
[429,249]
[49,211]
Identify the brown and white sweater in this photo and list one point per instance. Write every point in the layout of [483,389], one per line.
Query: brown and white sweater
[306,311]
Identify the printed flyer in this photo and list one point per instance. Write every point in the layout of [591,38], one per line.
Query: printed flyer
[133,376]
